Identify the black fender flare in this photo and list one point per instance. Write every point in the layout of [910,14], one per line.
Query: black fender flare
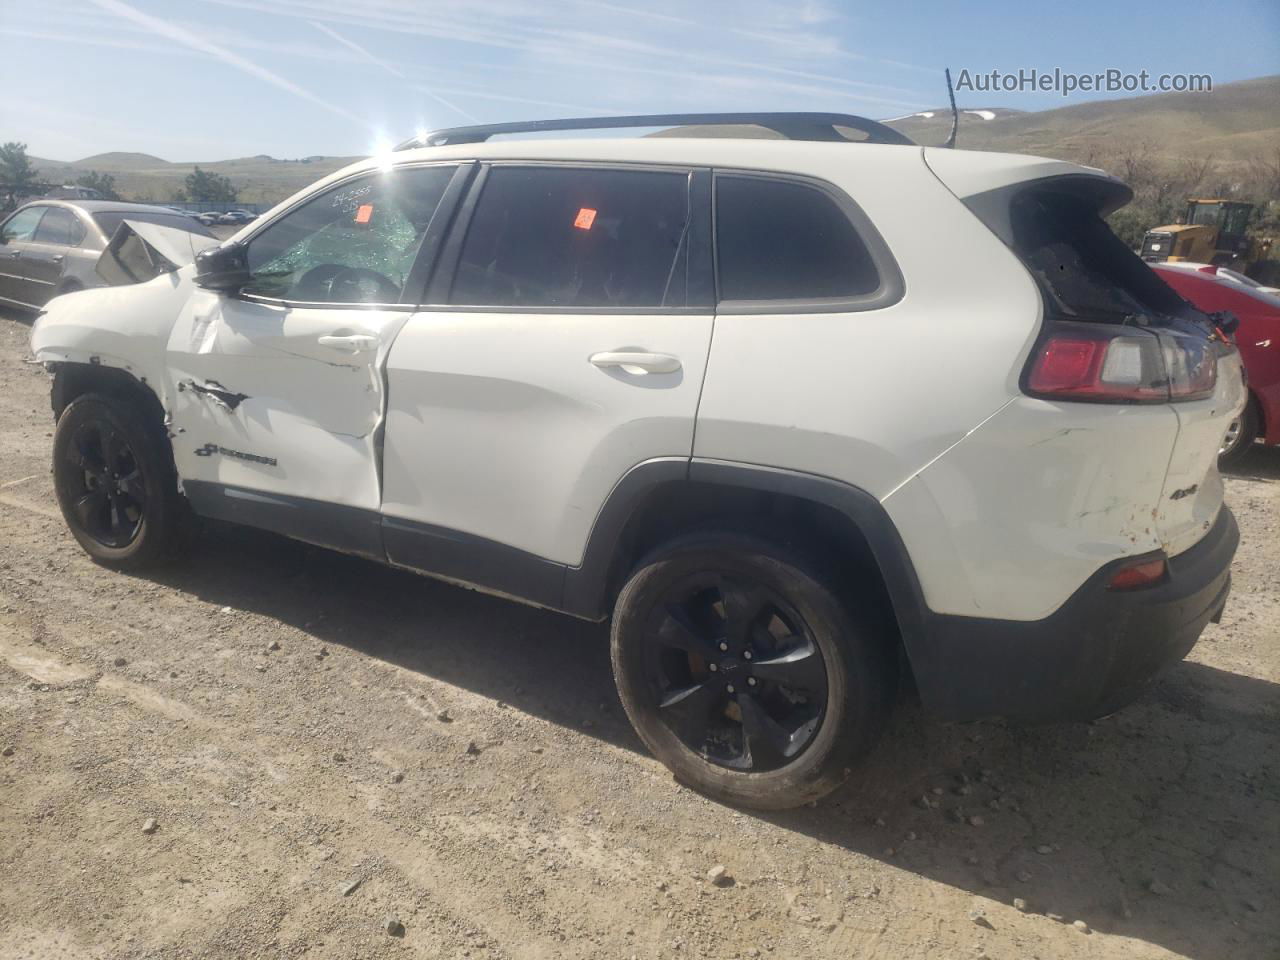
[586,587]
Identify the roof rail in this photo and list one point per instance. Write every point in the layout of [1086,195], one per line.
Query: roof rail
[793,126]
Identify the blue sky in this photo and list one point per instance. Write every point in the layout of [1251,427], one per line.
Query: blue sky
[224,78]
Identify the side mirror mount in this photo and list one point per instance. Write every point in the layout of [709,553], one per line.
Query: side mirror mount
[223,268]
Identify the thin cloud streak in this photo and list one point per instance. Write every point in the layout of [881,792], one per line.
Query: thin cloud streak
[544,36]
[179,35]
[390,68]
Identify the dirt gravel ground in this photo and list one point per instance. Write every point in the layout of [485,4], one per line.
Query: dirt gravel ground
[269,750]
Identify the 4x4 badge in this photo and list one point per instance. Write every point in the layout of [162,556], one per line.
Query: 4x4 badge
[209,449]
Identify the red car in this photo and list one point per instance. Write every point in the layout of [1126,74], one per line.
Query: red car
[1211,289]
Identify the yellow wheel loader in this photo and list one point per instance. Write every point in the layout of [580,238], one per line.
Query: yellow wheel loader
[1211,231]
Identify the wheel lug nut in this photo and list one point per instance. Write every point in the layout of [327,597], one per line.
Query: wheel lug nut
[730,688]
[746,654]
[712,667]
[723,646]
[751,681]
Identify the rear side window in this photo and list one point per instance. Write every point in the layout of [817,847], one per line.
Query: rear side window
[781,240]
[571,237]
[59,226]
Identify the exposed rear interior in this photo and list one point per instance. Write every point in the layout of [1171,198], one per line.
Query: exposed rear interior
[1114,332]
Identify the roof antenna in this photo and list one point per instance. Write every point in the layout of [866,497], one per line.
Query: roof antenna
[955,115]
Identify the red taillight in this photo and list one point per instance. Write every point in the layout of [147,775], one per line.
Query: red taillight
[1142,573]
[1109,364]
[1066,364]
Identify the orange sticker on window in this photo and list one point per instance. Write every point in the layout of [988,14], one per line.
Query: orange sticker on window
[364,213]
[585,218]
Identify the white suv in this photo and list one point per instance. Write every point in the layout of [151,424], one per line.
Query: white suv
[800,415]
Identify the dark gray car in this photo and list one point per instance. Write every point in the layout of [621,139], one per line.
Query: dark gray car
[50,247]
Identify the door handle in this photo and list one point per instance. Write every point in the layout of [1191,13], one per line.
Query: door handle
[638,363]
[56,258]
[352,343]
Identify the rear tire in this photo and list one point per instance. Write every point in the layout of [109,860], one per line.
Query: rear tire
[1240,436]
[115,482]
[745,674]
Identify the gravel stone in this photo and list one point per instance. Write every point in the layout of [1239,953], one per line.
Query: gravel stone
[719,876]
[1159,888]
[150,825]
[976,916]
[1019,904]
[1081,926]
[394,927]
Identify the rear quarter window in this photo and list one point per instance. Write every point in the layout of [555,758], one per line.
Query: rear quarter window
[782,240]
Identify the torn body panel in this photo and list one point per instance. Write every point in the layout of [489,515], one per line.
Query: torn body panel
[215,392]
[138,252]
[121,327]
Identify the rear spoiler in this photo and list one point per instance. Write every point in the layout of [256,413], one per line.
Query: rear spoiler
[140,251]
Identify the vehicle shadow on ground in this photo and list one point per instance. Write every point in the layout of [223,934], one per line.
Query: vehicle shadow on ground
[1261,463]
[1167,810]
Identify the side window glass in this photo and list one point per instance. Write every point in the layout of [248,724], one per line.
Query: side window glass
[58,226]
[355,243]
[780,240]
[573,237]
[22,225]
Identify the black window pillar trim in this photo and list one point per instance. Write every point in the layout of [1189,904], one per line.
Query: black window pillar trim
[428,254]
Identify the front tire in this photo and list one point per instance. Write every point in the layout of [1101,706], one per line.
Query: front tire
[115,482]
[745,674]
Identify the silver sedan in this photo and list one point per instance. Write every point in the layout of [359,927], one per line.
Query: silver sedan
[49,247]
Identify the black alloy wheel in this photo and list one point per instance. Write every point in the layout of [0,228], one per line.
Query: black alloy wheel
[107,494]
[746,672]
[736,673]
[114,476]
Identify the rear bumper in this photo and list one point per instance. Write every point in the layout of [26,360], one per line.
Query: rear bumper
[1095,654]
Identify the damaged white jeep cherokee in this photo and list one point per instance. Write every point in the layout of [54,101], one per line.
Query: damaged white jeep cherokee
[800,415]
